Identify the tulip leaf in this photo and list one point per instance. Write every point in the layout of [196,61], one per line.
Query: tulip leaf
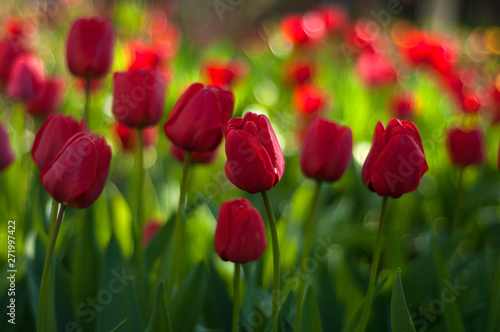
[119,325]
[400,316]
[88,258]
[64,297]
[311,320]
[122,222]
[116,298]
[159,320]
[188,303]
[216,314]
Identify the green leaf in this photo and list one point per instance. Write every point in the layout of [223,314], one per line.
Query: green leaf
[116,298]
[400,316]
[311,320]
[188,303]
[121,221]
[119,325]
[159,320]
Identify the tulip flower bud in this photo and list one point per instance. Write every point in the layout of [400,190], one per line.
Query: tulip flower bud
[129,137]
[326,151]
[396,161]
[139,97]
[151,227]
[50,98]
[240,236]
[77,175]
[375,71]
[52,135]
[199,117]
[26,78]
[308,100]
[298,73]
[465,147]
[292,28]
[89,50]
[10,50]
[223,74]
[254,158]
[7,154]
[403,106]
[196,157]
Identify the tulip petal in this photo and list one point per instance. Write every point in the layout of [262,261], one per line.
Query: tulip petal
[270,142]
[375,151]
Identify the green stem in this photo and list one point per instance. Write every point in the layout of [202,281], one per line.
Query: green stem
[459,200]
[53,216]
[276,259]
[139,216]
[86,114]
[495,301]
[178,227]
[43,300]
[373,270]
[452,312]
[236,300]
[305,251]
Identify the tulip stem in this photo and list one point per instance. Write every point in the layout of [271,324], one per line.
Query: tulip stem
[373,271]
[495,301]
[139,213]
[276,259]
[44,296]
[459,200]
[178,226]
[86,114]
[236,299]
[305,252]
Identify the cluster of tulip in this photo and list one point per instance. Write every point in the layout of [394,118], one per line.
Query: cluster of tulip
[74,161]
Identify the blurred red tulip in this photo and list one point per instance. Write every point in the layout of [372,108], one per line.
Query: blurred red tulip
[7,154]
[50,98]
[144,56]
[326,151]
[465,147]
[360,36]
[224,74]
[403,106]
[396,161]
[196,157]
[492,104]
[308,100]
[334,17]
[375,71]
[20,30]
[199,117]
[90,47]
[292,28]
[26,79]
[299,72]
[165,36]
[240,235]
[138,97]
[151,227]
[77,175]
[9,52]
[52,135]
[254,158]
[130,139]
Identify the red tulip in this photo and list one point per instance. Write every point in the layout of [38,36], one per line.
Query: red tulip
[465,147]
[89,50]
[240,235]
[223,74]
[196,157]
[199,117]
[144,56]
[50,98]
[298,73]
[7,154]
[77,175]
[396,161]
[26,78]
[326,151]
[139,97]
[334,17]
[254,159]
[19,29]
[151,227]
[9,52]
[292,28]
[129,137]
[403,106]
[308,100]
[375,71]
[470,103]
[54,133]
[492,103]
